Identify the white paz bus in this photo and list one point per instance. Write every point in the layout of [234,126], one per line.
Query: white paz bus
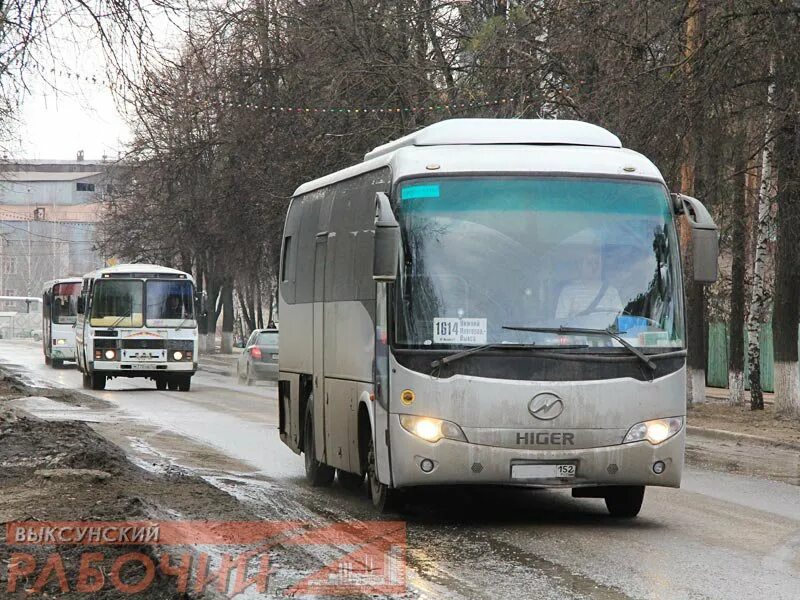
[490,302]
[59,313]
[137,320]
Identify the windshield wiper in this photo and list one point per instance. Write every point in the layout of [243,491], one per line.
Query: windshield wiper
[588,331]
[118,321]
[475,350]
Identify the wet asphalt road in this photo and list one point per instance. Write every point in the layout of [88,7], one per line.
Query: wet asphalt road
[719,536]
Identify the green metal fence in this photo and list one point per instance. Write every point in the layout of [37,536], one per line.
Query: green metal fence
[717,368]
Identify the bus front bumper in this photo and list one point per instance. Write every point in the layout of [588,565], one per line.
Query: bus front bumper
[63,352]
[462,463]
[114,368]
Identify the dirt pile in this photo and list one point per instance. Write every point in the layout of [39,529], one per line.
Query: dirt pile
[64,471]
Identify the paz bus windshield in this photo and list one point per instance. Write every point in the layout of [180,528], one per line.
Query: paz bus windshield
[481,254]
[117,303]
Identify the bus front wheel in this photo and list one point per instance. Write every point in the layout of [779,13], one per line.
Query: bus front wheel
[383,497]
[317,474]
[185,383]
[161,383]
[98,381]
[625,501]
[57,363]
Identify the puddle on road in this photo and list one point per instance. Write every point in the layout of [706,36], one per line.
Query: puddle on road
[57,410]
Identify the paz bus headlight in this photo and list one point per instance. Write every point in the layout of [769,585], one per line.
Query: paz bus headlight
[61,342]
[432,430]
[655,431]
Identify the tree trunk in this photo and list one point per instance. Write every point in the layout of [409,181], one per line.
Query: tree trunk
[759,293]
[695,362]
[787,282]
[226,347]
[260,305]
[213,314]
[736,318]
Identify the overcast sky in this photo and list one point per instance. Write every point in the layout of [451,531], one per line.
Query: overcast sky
[77,116]
[63,114]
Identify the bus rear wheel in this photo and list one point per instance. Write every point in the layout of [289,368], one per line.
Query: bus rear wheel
[317,474]
[625,501]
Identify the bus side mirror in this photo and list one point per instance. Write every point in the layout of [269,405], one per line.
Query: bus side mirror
[387,240]
[705,237]
[80,305]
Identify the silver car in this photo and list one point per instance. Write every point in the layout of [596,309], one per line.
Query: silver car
[259,359]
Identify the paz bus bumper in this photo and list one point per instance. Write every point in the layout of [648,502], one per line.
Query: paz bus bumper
[460,463]
[63,352]
[113,368]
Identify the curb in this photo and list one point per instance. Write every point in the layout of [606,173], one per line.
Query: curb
[721,434]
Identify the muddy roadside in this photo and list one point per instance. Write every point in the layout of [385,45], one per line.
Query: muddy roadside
[735,439]
[63,471]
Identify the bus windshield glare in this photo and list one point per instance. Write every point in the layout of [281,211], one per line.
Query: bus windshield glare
[64,307]
[481,254]
[170,303]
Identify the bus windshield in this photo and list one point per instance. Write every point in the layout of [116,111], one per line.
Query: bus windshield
[117,303]
[64,304]
[170,303]
[481,254]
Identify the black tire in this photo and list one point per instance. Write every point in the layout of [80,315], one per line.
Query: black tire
[98,381]
[625,501]
[87,381]
[172,384]
[161,383]
[350,481]
[384,498]
[317,474]
[185,383]
[57,363]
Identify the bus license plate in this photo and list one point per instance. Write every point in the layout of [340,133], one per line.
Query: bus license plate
[542,471]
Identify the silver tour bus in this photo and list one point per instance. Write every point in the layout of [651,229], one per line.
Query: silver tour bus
[493,302]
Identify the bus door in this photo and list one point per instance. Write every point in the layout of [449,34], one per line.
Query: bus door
[320,397]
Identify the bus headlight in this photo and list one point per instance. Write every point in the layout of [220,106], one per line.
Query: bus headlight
[177,355]
[61,342]
[432,430]
[655,431]
[110,354]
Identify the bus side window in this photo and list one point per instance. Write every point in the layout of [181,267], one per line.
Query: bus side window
[288,258]
[291,242]
[306,249]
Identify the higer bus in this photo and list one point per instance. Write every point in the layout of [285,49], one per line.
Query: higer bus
[490,302]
